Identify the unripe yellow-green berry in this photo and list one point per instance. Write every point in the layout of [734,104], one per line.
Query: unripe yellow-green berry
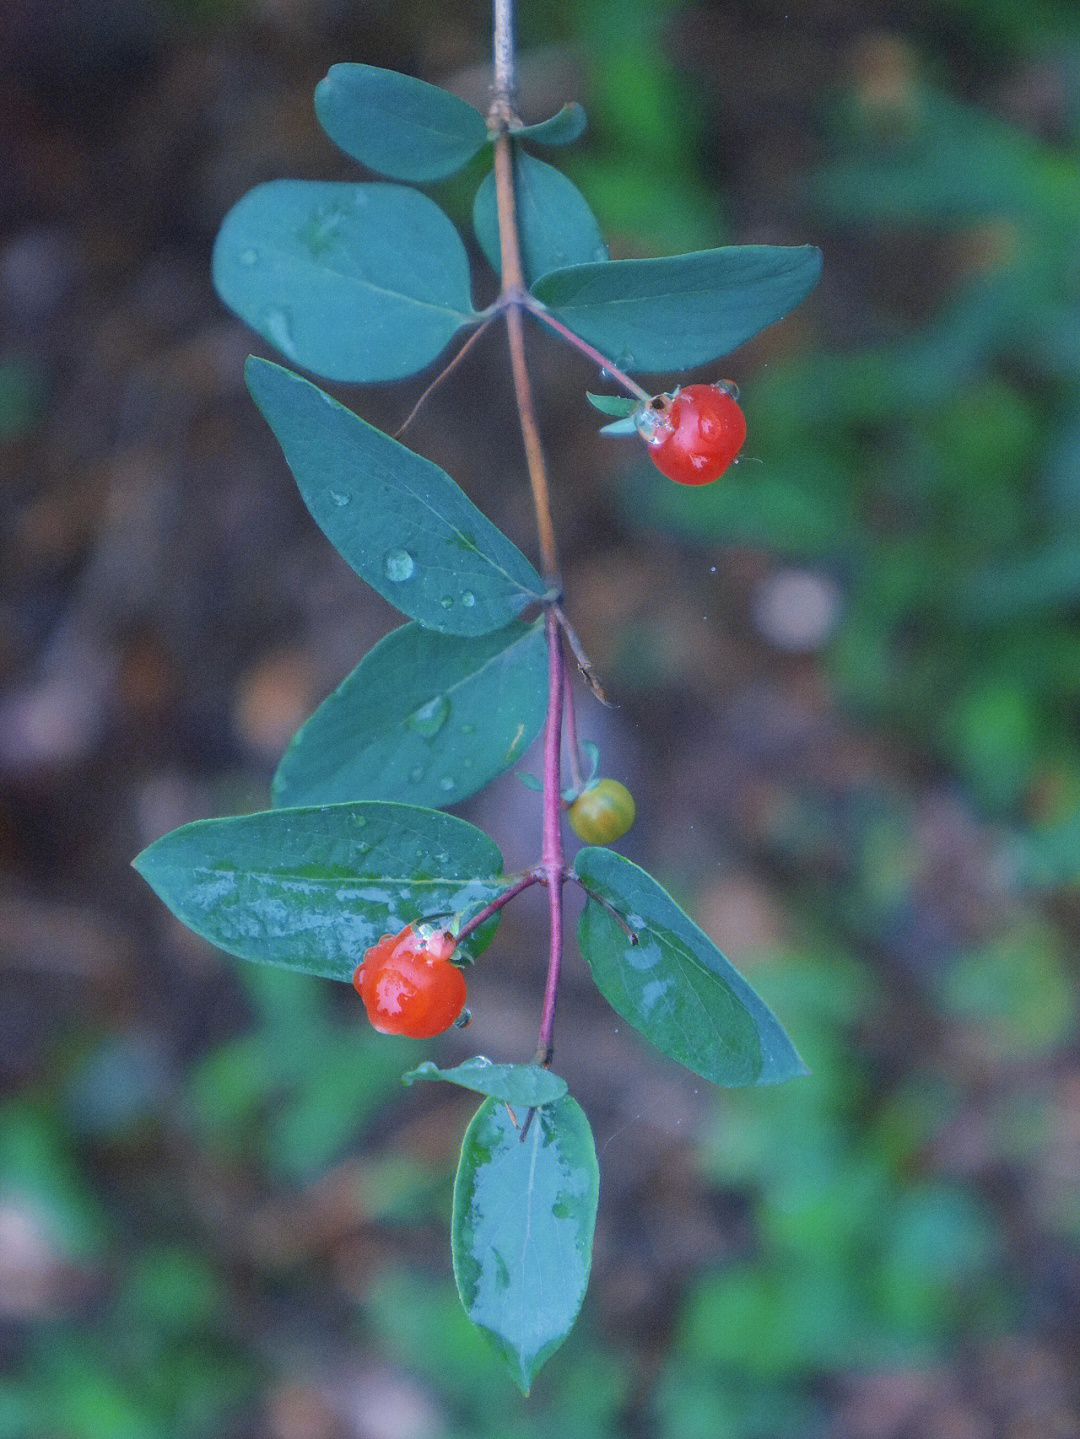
[603,812]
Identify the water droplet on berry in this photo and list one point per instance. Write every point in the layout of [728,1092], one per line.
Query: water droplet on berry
[339,499]
[446,784]
[276,325]
[468,599]
[399,565]
[463,1019]
[429,719]
[652,426]
[250,256]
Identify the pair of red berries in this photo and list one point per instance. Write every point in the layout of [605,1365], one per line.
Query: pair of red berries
[408,984]
[694,434]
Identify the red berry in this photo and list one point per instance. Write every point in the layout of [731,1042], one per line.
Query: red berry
[695,435]
[409,986]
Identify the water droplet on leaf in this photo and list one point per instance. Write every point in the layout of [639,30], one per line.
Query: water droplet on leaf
[250,256]
[339,499]
[429,719]
[468,599]
[276,325]
[399,565]
[446,784]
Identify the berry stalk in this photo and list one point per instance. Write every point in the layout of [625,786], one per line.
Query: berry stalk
[544,315]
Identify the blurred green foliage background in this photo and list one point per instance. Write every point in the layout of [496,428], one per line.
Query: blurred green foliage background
[847,681]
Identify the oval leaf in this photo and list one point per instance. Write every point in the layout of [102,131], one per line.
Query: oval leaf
[398,125]
[312,889]
[557,227]
[425,718]
[354,282]
[526,1085]
[398,519]
[562,129]
[674,985]
[684,310]
[523,1228]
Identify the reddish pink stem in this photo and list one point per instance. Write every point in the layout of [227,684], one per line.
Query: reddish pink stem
[497,904]
[552,863]
[545,317]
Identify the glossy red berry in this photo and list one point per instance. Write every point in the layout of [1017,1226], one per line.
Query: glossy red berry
[409,986]
[694,435]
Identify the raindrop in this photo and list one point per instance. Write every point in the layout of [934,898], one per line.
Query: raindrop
[606,375]
[446,784]
[399,565]
[276,325]
[446,602]
[250,256]
[339,499]
[429,719]
[468,599]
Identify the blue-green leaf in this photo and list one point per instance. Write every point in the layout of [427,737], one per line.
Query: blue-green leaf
[556,225]
[354,282]
[398,519]
[525,1085]
[425,718]
[396,124]
[523,1227]
[619,405]
[685,310]
[562,129]
[312,889]
[674,985]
